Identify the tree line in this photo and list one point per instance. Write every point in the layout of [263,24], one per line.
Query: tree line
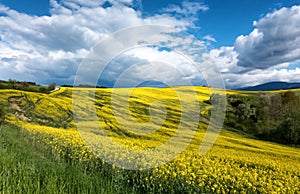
[272,117]
[26,86]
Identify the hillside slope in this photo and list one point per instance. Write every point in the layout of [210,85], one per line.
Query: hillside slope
[235,163]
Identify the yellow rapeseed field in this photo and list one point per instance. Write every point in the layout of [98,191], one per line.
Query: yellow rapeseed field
[132,121]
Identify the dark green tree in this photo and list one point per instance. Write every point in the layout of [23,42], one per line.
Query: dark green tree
[12,83]
[52,86]
[289,128]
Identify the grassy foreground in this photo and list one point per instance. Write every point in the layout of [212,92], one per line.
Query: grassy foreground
[24,169]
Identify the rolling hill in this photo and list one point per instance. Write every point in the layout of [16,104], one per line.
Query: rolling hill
[133,123]
[272,86]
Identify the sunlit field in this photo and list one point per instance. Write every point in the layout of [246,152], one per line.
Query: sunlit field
[139,121]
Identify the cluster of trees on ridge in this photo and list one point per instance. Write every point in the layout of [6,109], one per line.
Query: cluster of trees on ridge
[272,117]
[82,86]
[26,86]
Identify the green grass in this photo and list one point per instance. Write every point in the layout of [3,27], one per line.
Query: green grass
[23,169]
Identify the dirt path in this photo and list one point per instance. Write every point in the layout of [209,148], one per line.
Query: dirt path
[56,89]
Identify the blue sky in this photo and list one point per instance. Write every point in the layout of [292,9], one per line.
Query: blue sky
[39,41]
[225,20]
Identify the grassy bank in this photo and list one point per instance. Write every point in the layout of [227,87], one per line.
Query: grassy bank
[23,169]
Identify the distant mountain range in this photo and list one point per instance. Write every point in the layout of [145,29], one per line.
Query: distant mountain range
[272,86]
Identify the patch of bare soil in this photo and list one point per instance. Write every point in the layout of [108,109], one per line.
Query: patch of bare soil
[16,99]
[19,111]
[22,116]
[16,107]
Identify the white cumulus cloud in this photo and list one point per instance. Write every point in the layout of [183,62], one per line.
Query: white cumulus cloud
[50,48]
[265,54]
[275,40]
